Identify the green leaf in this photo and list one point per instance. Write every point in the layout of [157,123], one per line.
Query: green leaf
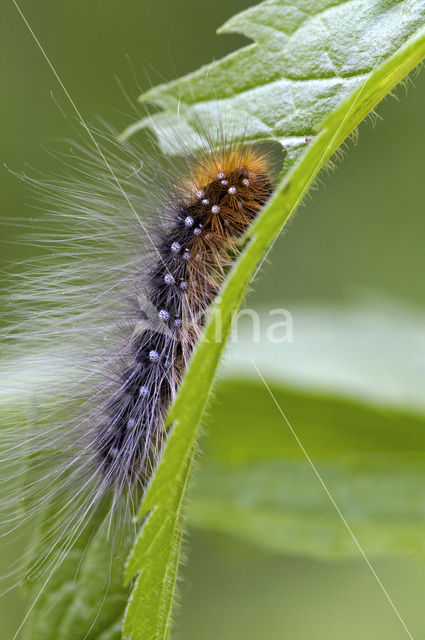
[84,597]
[353,392]
[371,351]
[254,481]
[316,70]
[280,506]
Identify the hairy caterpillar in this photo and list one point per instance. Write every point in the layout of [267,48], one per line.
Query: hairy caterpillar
[212,206]
[113,315]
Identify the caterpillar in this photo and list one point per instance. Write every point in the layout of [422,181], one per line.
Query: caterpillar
[213,205]
[115,313]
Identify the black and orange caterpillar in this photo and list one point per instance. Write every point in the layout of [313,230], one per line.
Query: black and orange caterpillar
[216,199]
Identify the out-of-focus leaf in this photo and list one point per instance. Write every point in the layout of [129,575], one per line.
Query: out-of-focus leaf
[255,482]
[351,384]
[85,597]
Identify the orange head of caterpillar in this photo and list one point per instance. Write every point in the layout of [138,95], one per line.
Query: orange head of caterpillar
[229,189]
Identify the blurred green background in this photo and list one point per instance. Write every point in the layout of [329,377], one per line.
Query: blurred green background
[359,234]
